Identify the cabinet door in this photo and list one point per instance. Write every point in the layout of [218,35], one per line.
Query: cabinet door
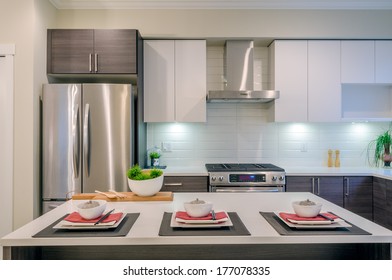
[324,88]
[70,51]
[185,184]
[358,195]
[383,61]
[299,184]
[290,76]
[159,81]
[190,80]
[358,62]
[381,209]
[115,51]
[331,189]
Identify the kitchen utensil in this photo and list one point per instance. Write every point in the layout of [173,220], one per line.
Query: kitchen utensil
[108,195]
[213,214]
[104,217]
[119,195]
[326,217]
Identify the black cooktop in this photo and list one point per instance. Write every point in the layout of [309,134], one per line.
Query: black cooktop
[238,167]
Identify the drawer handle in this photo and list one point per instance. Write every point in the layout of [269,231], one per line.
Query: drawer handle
[173,184]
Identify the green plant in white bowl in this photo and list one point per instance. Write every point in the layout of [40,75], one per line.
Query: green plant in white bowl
[145,182]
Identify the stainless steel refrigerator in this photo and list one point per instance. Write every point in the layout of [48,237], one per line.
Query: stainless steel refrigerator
[88,139]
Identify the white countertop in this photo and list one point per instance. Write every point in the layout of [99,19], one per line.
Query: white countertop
[385,173]
[146,228]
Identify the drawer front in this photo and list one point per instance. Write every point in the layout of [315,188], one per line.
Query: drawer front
[185,184]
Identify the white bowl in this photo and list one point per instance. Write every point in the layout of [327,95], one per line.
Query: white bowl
[306,211]
[146,187]
[198,210]
[90,213]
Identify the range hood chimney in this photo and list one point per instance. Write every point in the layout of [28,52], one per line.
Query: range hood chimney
[239,77]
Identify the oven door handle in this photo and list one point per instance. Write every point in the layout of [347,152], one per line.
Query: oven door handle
[246,189]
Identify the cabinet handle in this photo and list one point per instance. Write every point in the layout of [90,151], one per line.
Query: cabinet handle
[318,186]
[86,139]
[173,184]
[313,185]
[90,61]
[347,187]
[96,63]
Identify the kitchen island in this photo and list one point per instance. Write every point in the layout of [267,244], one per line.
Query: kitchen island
[144,242]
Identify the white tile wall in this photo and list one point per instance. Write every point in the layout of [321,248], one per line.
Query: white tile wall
[241,132]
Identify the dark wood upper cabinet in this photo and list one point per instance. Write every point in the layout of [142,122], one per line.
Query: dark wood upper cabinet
[92,51]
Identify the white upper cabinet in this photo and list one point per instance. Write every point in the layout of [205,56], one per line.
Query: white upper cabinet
[159,81]
[289,72]
[191,80]
[358,62]
[324,89]
[383,71]
[307,74]
[175,80]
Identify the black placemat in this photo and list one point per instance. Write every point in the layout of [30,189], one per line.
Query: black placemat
[284,229]
[238,228]
[121,230]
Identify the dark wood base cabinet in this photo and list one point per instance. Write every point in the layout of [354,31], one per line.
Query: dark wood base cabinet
[382,202]
[351,192]
[309,251]
[185,184]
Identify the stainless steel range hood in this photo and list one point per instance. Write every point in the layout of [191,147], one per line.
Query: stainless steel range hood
[239,86]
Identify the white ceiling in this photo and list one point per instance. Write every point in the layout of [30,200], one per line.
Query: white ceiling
[224,4]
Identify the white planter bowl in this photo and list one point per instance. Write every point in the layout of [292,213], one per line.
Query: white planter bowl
[306,211]
[146,187]
[198,210]
[90,213]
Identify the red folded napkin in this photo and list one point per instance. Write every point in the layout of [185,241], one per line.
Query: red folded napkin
[295,217]
[76,218]
[183,215]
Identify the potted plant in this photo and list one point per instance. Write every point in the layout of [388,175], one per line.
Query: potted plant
[154,156]
[382,149]
[144,182]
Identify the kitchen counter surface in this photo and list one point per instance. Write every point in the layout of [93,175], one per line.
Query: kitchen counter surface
[145,230]
[186,171]
[385,173]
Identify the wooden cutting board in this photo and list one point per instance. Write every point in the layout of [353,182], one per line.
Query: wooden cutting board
[129,196]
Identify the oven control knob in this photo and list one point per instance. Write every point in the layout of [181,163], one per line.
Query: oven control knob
[281,178]
[213,178]
[221,178]
[274,178]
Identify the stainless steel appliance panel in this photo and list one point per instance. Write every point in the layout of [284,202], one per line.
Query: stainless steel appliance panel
[61,121]
[107,149]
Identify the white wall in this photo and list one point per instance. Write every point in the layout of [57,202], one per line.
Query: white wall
[24,23]
[19,19]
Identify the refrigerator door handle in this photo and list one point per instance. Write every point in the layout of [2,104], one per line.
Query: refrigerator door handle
[86,138]
[75,138]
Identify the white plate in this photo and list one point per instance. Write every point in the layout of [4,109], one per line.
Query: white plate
[206,224]
[326,225]
[78,226]
[198,221]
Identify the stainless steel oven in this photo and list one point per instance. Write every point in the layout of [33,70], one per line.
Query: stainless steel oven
[246,178]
